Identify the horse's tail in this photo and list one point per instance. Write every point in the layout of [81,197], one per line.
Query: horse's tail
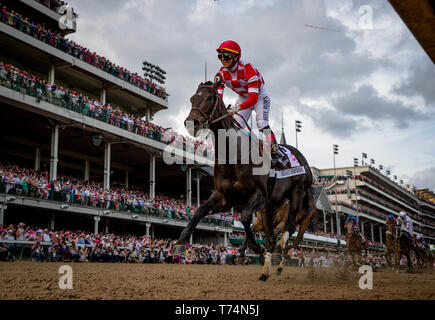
[309,207]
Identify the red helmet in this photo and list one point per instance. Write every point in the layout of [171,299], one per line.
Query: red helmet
[230,46]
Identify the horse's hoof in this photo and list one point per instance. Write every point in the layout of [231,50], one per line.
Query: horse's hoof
[278,272]
[178,249]
[263,277]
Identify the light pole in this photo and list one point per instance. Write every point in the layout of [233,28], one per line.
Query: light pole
[355,164]
[154,72]
[335,151]
[298,126]
[381,167]
[372,162]
[388,173]
[364,156]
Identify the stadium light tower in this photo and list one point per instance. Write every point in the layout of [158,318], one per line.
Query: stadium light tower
[298,126]
[154,72]
[364,156]
[381,167]
[335,151]
[355,164]
[388,173]
[372,162]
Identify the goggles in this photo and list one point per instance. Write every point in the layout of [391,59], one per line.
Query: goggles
[225,56]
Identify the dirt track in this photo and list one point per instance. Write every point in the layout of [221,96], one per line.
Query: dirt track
[27,280]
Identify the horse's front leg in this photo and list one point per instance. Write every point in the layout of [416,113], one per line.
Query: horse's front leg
[216,203]
[270,240]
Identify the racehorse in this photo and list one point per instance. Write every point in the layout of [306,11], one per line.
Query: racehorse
[235,184]
[393,247]
[424,256]
[405,244]
[354,243]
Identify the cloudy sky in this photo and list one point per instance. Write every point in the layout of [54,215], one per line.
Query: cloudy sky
[364,84]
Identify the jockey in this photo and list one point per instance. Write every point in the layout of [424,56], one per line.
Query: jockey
[406,225]
[245,80]
[355,225]
[391,220]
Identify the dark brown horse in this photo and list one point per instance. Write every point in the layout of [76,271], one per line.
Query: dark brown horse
[236,184]
[406,245]
[354,243]
[424,256]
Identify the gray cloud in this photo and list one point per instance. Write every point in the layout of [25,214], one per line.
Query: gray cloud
[367,102]
[332,122]
[424,179]
[421,82]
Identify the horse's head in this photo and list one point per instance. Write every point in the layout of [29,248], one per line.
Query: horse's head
[207,106]
[349,227]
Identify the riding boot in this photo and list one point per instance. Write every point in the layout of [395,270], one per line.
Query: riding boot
[275,153]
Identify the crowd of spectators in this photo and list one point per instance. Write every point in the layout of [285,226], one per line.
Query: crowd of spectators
[20,80]
[56,40]
[35,183]
[53,4]
[82,246]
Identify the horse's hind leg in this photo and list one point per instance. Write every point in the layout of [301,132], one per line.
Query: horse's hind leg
[255,203]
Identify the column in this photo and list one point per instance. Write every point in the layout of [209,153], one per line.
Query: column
[107,165]
[198,190]
[103,95]
[332,225]
[189,186]
[2,213]
[380,234]
[51,71]
[87,169]
[152,176]
[126,179]
[226,239]
[324,221]
[148,114]
[152,231]
[106,230]
[37,158]
[362,227]
[54,152]
[96,219]
[52,222]
[191,238]
[372,233]
[148,225]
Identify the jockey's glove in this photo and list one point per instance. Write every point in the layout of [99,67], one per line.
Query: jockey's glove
[234,109]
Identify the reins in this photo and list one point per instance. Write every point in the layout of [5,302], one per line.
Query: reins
[209,119]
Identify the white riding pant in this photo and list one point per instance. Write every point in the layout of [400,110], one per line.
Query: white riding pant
[262,109]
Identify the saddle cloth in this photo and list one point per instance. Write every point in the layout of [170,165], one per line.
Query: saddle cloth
[291,166]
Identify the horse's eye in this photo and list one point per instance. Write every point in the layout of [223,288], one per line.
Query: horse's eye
[210,98]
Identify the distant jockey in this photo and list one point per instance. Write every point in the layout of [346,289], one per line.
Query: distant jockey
[406,225]
[245,80]
[355,222]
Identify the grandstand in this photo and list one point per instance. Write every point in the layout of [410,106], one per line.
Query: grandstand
[72,113]
[371,195]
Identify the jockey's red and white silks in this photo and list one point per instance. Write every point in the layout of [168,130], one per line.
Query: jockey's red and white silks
[245,80]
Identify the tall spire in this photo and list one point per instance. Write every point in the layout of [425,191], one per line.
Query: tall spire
[283,141]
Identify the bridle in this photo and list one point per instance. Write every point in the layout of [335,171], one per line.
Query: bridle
[209,120]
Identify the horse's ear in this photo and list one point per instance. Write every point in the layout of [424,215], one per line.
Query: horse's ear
[217,80]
